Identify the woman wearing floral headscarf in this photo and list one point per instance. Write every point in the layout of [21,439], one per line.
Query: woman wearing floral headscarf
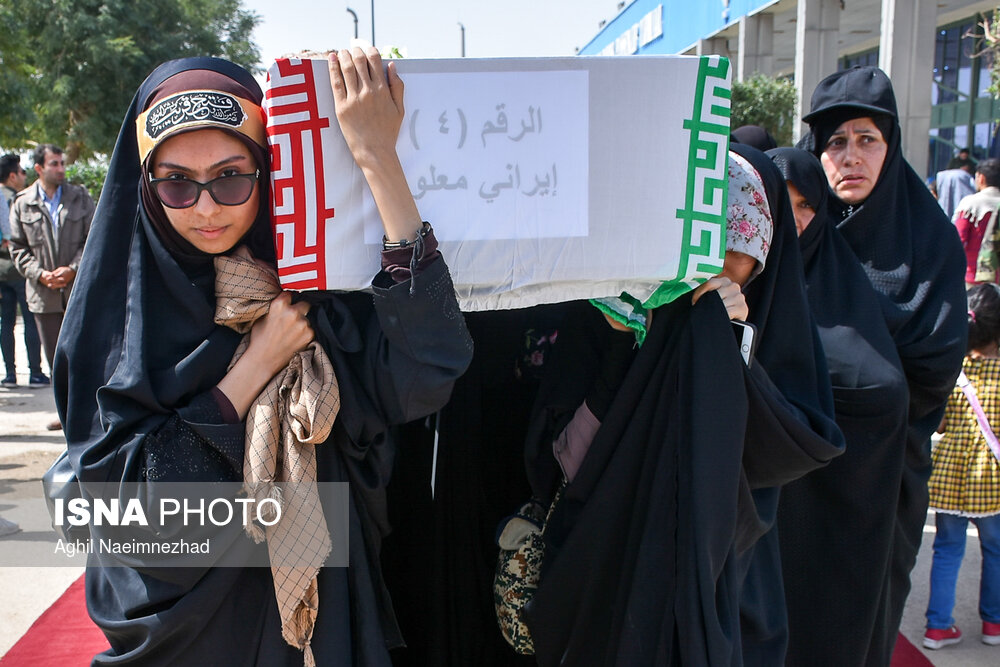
[646,546]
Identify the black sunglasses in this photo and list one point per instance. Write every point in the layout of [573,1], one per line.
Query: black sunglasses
[230,190]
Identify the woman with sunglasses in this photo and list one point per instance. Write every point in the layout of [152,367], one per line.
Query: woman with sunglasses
[147,391]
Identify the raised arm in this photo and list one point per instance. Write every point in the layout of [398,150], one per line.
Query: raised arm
[417,344]
[369,104]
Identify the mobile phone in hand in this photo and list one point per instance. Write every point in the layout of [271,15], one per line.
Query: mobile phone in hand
[746,337]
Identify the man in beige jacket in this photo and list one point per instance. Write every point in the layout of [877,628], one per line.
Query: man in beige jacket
[49,223]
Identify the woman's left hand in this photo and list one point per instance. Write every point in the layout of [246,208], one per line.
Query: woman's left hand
[369,105]
[730,293]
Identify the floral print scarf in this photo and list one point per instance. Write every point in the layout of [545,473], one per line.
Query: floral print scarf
[748,220]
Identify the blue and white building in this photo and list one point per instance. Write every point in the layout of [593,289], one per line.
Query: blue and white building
[926,47]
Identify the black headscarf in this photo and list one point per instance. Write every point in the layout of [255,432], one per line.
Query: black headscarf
[803,170]
[908,248]
[139,332]
[913,259]
[755,136]
[645,566]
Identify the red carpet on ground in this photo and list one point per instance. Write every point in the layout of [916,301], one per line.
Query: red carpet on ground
[905,655]
[63,635]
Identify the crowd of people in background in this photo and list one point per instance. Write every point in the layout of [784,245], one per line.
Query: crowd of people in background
[783,533]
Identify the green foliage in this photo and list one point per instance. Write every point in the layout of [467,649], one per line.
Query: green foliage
[15,76]
[89,174]
[70,67]
[770,103]
[987,36]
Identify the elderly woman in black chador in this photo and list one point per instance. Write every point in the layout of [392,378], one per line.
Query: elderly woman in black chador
[649,545]
[148,390]
[885,275]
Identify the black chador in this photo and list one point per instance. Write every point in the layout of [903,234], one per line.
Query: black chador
[649,541]
[912,258]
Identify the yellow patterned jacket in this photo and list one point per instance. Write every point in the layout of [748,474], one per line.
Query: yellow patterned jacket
[966,475]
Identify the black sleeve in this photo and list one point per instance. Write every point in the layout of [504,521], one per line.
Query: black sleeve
[420,345]
[932,344]
[783,441]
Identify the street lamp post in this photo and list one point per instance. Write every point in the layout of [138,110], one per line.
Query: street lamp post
[460,25]
[355,16]
[373,22]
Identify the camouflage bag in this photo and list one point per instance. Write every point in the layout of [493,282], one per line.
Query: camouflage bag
[519,566]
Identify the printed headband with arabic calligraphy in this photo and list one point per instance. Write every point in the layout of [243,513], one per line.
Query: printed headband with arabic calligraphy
[198,109]
[238,88]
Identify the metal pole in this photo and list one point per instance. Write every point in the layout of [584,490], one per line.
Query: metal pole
[463,37]
[373,22]
[355,16]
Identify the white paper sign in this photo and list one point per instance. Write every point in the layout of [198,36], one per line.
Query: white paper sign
[501,147]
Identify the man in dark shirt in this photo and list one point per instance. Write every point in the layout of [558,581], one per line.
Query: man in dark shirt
[12,178]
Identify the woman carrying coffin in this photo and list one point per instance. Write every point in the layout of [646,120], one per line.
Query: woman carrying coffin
[647,545]
[144,387]
[913,259]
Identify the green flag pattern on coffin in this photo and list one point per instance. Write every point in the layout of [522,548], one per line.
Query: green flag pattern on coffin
[704,213]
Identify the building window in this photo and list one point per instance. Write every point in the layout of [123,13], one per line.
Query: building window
[959,79]
[953,66]
[862,58]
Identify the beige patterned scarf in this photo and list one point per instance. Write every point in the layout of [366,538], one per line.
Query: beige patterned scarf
[293,414]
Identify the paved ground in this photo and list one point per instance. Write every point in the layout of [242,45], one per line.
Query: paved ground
[971,652]
[27,449]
